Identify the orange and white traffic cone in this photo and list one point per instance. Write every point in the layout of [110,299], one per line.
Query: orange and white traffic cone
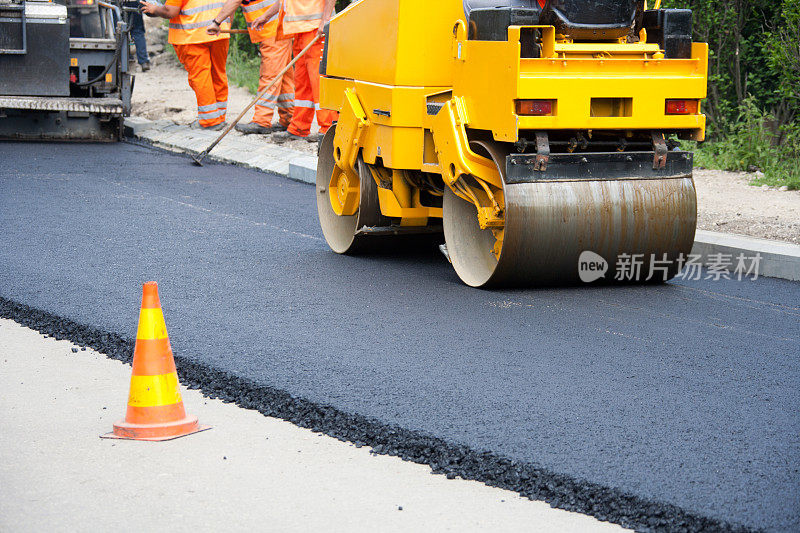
[155,407]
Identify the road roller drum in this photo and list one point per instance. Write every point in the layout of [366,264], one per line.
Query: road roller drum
[527,135]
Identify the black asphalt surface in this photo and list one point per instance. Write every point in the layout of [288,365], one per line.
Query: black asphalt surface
[684,395]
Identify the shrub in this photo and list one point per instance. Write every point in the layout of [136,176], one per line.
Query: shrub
[749,144]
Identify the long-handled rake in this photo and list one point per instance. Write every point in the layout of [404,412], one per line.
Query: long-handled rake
[198,159]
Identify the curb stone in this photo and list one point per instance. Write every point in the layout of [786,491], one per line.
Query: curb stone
[304,169]
[248,153]
[778,259]
[134,126]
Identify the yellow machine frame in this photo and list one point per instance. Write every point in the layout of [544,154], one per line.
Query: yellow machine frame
[427,63]
[593,86]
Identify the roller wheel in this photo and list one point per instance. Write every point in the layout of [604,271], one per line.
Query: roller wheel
[549,224]
[341,232]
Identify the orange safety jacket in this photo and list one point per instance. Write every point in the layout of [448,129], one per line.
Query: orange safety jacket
[253,9]
[300,16]
[189,27]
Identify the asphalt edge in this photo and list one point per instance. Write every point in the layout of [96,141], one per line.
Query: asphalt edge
[777,259]
[452,460]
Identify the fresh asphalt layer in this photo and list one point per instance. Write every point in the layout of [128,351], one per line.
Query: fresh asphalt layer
[671,403]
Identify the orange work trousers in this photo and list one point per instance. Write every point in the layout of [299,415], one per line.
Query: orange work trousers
[306,87]
[275,55]
[205,63]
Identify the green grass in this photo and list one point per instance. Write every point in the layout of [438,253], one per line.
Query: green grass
[243,70]
[779,168]
[243,59]
[779,178]
[749,144]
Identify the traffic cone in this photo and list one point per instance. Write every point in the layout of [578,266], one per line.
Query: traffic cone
[155,407]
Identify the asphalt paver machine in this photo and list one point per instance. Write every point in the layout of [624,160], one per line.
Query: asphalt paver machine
[63,70]
[527,131]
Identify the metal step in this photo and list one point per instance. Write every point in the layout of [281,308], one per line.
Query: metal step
[87,43]
[49,103]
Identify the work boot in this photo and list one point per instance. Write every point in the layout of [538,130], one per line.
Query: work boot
[145,66]
[280,127]
[314,138]
[252,127]
[216,127]
[283,136]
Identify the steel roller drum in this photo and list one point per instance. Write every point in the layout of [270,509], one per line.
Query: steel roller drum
[342,232]
[550,223]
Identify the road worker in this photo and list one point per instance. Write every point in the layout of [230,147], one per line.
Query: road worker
[204,56]
[137,33]
[302,21]
[275,55]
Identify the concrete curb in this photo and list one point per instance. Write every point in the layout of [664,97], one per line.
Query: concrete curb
[778,259]
[244,152]
[303,168]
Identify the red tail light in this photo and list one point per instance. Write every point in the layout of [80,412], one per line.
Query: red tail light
[681,107]
[535,107]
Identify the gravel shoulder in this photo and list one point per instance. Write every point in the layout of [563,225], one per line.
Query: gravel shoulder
[726,202]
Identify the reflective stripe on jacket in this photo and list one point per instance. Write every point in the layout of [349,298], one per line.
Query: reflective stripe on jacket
[253,9]
[189,27]
[299,16]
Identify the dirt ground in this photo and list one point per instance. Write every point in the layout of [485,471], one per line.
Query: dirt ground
[726,202]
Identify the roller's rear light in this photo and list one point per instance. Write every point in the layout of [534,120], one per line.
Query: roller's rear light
[681,107]
[535,107]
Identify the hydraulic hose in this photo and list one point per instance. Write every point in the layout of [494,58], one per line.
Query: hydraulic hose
[116,52]
[105,71]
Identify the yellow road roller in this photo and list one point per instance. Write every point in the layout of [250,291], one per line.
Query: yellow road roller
[528,132]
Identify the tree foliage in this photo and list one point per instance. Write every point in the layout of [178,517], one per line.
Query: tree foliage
[784,52]
[754,52]
[753,104]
